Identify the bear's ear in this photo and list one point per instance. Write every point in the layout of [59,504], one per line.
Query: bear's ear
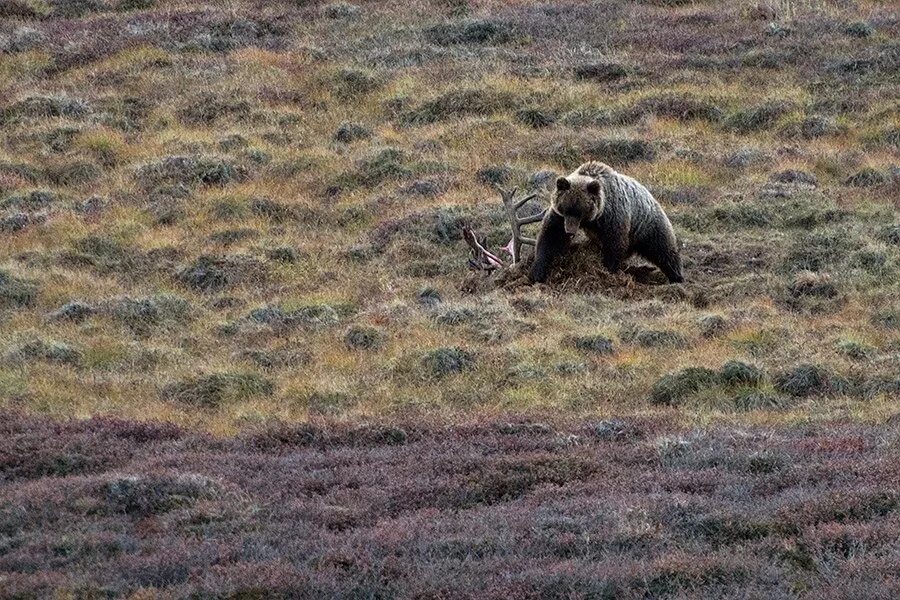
[563,184]
[593,188]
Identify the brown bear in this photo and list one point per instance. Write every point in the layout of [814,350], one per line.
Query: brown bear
[615,211]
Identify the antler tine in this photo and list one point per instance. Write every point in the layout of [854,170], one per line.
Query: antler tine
[512,207]
[533,218]
[506,195]
[482,258]
[522,202]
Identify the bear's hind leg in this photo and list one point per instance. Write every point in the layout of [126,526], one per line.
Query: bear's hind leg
[661,249]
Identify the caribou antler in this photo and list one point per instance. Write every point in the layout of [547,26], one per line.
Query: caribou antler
[482,258]
[512,207]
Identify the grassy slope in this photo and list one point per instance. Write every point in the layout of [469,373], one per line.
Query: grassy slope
[98,99]
[236,218]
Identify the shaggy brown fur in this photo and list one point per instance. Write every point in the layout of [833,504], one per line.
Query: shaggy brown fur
[616,212]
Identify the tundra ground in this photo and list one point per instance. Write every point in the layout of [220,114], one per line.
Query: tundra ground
[232,219]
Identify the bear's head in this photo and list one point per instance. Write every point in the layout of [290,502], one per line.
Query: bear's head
[578,198]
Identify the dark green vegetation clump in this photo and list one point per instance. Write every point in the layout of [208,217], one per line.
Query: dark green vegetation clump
[673,388]
[364,338]
[43,350]
[758,118]
[211,391]
[190,171]
[593,344]
[811,380]
[735,373]
[448,361]
[469,32]
[741,386]
[459,103]
[16,292]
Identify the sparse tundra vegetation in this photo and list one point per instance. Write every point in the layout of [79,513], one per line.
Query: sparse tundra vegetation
[242,355]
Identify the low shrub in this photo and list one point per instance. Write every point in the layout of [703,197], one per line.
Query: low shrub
[16,292]
[712,325]
[73,311]
[673,388]
[361,337]
[212,391]
[458,103]
[142,315]
[660,338]
[758,118]
[35,200]
[349,132]
[535,118]
[44,107]
[340,10]
[46,351]
[495,174]
[355,83]
[146,495]
[594,344]
[478,31]
[207,108]
[867,177]
[441,362]
[216,273]
[671,106]
[806,380]
[854,350]
[600,72]
[190,171]
[735,373]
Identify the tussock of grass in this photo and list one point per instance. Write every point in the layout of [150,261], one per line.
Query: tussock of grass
[458,103]
[211,391]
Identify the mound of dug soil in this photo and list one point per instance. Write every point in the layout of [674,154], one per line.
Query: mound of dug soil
[579,271]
